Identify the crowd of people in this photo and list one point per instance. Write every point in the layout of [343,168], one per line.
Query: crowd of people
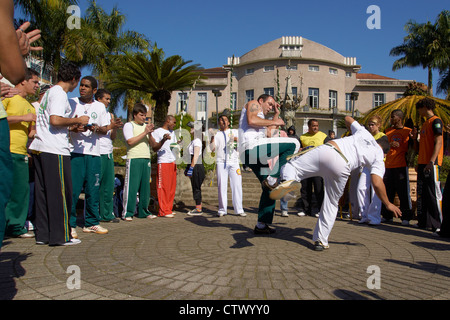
[55,148]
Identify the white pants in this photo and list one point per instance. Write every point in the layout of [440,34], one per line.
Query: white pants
[369,203]
[232,171]
[326,162]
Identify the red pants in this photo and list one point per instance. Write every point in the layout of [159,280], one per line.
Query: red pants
[166,185]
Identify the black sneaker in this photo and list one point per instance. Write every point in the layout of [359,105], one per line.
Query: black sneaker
[319,246]
[265,230]
[195,212]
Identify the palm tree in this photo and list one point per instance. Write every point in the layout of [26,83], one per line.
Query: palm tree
[150,72]
[441,45]
[425,45]
[101,40]
[414,50]
[50,16]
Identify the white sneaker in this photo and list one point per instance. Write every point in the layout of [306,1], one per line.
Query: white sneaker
[26,235]
[284,213]
[242,214]
[221,214]
[95,229]
[72,242]
[301,214]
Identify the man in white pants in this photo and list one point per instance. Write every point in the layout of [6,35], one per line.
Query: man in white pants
[227,165]
[334,162]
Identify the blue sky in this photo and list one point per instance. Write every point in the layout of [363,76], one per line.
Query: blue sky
[209,31]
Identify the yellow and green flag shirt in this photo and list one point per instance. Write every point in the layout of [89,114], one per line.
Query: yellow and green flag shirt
[18,106]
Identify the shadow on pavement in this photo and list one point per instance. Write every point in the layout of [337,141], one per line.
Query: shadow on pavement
[10,268]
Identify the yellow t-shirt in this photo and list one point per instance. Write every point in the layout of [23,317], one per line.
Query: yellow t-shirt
[141,149]
[18,106]
[312,140]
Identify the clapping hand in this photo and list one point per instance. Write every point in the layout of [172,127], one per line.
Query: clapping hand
[26,39]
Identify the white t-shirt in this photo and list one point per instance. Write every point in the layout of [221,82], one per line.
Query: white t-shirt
[165,154]
[249,136]
[105,141]
[195,143]
[224,147]
[87,142]
[361,150]
[48,138]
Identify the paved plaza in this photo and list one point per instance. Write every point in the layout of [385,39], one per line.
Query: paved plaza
[211,258]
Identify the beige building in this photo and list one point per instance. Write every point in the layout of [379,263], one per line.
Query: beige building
[322,83]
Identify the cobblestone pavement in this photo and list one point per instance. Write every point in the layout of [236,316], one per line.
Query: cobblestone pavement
[212,258]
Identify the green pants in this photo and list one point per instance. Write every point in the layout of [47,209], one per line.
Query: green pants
[137,182]
[6,174]
[256,159]
[106,204]
[85,174]
[17,208]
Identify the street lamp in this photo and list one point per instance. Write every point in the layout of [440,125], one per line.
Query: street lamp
[353,97]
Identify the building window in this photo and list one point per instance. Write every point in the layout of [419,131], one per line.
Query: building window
[249,71]
[348,74]
[288,67]
[201,102]
[269,68]
[332,100]
[313,68]
[249,95]
[313,98]
[399,96]
[233,100]
[269,91]
[378,99]
[182,101]
[348,102]
[333,71]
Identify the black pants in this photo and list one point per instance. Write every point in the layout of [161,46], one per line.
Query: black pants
[198,176]
[429,214]
[396,181]
[306,192]
[53,198]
